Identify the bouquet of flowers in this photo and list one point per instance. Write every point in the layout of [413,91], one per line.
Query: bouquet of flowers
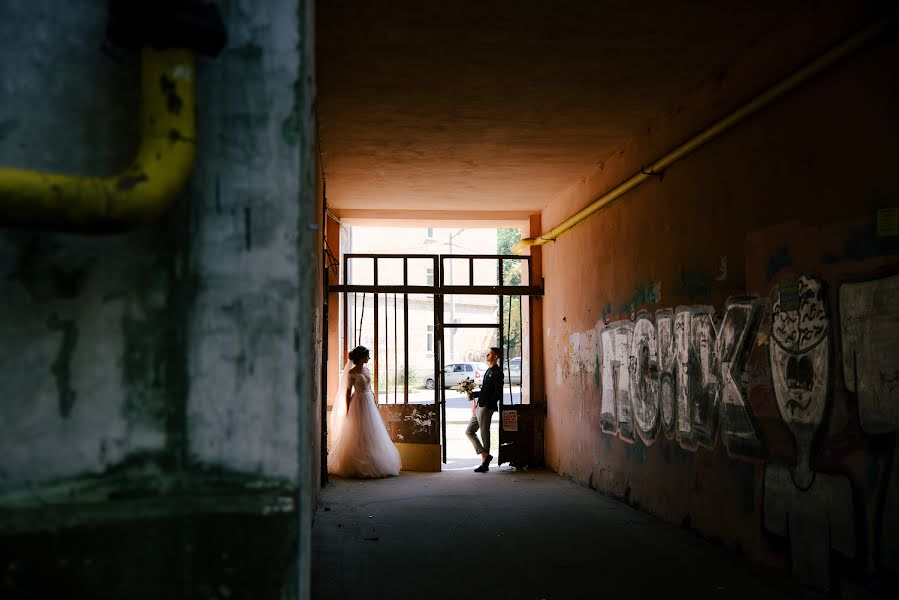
[466,386]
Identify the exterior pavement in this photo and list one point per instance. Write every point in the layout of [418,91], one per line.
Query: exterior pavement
[510,534]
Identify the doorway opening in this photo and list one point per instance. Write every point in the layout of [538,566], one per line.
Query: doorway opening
[428,320]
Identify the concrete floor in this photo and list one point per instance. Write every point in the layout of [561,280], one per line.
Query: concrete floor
[510,534]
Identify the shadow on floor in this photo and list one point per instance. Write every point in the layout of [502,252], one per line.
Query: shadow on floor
[510,534]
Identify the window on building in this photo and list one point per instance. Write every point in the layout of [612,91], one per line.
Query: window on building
[430,275]
[430,232]
[430,347]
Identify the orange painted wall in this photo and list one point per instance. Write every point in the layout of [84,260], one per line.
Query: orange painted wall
[793,191]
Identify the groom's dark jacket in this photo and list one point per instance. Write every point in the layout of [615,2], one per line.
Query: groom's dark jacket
[491,388]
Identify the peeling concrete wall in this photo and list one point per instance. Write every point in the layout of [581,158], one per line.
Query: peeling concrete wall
[84,329]
[180,357]
[245,251]
[721,342]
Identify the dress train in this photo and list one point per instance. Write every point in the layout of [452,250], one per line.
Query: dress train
[360,445]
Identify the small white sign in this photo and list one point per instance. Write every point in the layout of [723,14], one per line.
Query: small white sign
[510,420]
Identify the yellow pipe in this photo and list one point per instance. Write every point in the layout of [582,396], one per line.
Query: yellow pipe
[140,194]
[756,104]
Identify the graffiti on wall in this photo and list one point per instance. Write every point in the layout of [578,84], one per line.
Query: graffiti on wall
[869,322]
[681,373]
[814,510]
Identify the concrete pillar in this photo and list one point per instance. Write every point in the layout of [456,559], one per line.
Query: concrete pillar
[157,433]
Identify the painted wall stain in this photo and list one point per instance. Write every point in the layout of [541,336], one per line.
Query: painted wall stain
[248,52]
[7,126]
[606,442]
[292,126]
[247,228]
[144,365]
[645,294]
[722,270]
[864,243]
[694,285]
[744,476]
[42,276]
[777,262]
[61,367]
[154,363]
[636,452]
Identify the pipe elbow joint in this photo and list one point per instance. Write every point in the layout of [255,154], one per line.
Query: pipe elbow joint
[140,194]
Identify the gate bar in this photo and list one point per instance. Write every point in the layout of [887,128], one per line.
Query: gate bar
[521,333]
[375,349]
[386,348]
[439,391]
[406,333]
[479,290]
[396,356]
[501,345]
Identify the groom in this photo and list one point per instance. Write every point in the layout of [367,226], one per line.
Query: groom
[488,400]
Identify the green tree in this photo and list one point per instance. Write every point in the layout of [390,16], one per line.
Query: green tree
[506,238]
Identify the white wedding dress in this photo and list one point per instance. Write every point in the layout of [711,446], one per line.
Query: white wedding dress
[360,445]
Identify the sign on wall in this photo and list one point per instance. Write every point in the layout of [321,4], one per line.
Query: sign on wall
[510,420]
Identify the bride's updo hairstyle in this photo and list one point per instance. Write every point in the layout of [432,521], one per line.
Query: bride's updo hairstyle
[358,353]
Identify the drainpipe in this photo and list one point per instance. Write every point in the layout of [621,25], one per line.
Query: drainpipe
[168,38]
[793,81]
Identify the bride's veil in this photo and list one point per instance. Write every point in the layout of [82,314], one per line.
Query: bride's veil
[338,409]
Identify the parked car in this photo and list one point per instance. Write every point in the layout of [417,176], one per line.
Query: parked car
[513,371]
[454,373]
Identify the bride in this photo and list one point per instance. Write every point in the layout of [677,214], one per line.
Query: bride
[360,446]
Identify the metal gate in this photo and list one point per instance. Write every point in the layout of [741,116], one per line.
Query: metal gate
[395,304]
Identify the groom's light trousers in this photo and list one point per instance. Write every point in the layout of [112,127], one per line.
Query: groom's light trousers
[480,420]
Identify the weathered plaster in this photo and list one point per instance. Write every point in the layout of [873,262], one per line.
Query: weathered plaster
[756,197]
[245,251]
[152,381]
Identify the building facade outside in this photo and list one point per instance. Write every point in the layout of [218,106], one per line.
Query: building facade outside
[461,344]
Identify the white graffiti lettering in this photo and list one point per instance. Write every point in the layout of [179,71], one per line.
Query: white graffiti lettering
[683,376]
[616,403]
[667,355]
[644,377]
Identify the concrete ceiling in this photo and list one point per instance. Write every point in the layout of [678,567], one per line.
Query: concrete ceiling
[500,105]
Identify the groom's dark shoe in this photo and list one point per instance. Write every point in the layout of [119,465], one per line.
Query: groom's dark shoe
[485,466]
